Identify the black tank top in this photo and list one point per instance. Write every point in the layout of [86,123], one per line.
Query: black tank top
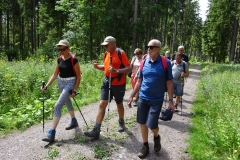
[66,68]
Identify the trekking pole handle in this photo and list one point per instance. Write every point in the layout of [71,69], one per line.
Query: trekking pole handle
[43,84]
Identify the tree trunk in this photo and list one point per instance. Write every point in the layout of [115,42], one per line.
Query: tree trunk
[234,35]
[135,22]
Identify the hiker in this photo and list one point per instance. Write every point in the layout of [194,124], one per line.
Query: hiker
[135,65]
[184,56]
[180,71]
[167,55]
[67,72]
[118,70]
[152,80]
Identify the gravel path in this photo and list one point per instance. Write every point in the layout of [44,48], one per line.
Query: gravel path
[74,145]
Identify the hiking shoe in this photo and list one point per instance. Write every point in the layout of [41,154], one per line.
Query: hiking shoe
[135,103]
[121,125]
[95,133]
[157,144]
[50,136]
[73,124]
[144,152]
[176,105]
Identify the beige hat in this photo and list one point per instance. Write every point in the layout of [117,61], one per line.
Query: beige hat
[108,39]
[63,42]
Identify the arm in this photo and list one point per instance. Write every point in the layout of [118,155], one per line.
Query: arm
[78,75]
[52,78]
[170,94]
[97,66]
[124,70]
[135,90]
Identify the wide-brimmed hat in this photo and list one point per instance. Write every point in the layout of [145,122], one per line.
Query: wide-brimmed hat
[63,42]
[167,115]
[108,39]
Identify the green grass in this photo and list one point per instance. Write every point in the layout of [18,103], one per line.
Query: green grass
[22,101]
[215,133]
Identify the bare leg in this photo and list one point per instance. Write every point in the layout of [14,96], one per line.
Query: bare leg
[71,114]
[177,99]
[101,111]
[155,132]
[120,110]
[55,122]
[144,130]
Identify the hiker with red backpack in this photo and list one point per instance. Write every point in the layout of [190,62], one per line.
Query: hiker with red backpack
[115,67]
[180,71]
[135,66]
[154,76]
[68,73]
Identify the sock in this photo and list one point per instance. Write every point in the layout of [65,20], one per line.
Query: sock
[121,120]
[97,125]
[156,137]
[145,144]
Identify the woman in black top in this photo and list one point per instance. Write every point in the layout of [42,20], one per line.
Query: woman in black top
[69,75]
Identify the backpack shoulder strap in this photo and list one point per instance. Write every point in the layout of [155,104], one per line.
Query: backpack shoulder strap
[164,62]
[119,54]
[142,64]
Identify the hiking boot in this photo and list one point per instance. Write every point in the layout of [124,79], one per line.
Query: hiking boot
[121,125]
[144,152]
[50,136]
[73,124]
[157,144]
[95,133]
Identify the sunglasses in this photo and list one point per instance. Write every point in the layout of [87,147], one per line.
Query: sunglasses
[137,54]
[152,47]
[62,49]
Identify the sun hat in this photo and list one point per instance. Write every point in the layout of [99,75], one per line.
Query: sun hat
[107,40]
[63,42]
[167,115]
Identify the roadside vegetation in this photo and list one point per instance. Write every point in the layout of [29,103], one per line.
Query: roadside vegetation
[215,131]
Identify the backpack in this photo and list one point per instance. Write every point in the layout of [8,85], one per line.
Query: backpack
[119,76]
[72,60]
[164,63]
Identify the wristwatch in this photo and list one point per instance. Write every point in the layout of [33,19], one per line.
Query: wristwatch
[117,71]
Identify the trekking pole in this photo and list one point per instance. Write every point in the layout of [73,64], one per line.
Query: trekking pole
[78,107]
[181,96]
[109,91]
[43,85]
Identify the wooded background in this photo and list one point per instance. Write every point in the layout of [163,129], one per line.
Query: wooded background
[33,27]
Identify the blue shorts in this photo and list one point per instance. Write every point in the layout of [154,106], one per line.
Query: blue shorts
[178,89]
[116,91]
[148,112]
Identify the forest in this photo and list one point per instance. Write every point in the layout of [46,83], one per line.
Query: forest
[32,28]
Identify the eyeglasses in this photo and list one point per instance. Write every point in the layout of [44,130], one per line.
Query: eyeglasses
[152,47]
[137,54]
[62,49]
